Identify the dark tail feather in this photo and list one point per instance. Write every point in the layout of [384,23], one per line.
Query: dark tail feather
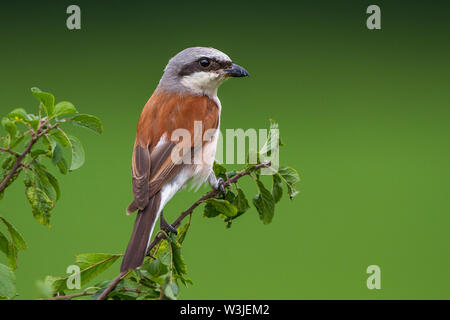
[137,247]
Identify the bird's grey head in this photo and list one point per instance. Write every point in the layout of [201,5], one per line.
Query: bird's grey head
[199,70]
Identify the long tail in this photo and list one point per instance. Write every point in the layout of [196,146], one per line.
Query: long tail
[137,247]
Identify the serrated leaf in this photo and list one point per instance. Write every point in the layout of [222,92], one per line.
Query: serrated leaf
[77,153]
[290,177]
[88,121]
[18,240]
[7,282]
[182,231]
[64,107]
[178,261]
[47,100]
[277,187]
[222,207]
[264,203]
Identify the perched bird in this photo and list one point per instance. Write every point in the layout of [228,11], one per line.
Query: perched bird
[186,96]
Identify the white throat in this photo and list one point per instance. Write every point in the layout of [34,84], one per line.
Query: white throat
[203,83]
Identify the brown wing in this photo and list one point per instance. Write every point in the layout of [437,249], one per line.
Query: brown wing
[140,170]
[152,164]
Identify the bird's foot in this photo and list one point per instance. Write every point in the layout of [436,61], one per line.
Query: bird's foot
[165,226]
[221,186]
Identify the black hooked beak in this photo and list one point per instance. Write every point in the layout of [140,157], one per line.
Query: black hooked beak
[236,71]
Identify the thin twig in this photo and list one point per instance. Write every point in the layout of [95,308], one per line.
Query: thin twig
[39,133]
[9,151]
[71,296]
[183,215]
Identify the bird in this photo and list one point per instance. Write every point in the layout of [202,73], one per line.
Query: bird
[176,140]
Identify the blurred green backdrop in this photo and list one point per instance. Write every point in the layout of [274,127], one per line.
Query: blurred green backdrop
[364,114]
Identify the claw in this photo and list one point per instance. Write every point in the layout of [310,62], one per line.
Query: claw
[221,187]
[164,225]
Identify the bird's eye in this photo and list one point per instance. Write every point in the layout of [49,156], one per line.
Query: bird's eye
[204,62]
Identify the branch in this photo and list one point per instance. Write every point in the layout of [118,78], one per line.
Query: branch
[71,296]
[39,133]
[9,151]
[183,215]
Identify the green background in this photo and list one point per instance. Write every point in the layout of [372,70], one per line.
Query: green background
[364,116]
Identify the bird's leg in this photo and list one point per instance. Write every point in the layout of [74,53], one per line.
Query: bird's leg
[164,225]
[216,183]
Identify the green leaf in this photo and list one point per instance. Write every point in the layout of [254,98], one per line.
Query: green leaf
[57,153]
[178,261]
[77,153]
[64,107]
[62,166]
[47,100]
[93,265]
[221,206]
[219,171]
[7,247]
[242,202]
[34,123]
[38,152]
[4,244]
[88,121]
[85,260]
[12,256]
[18,240]
[210,211]
[40,203]
[9,126]
[264,203]
[61,137]
[19,114]
[156,268]
[277,187]
[42,182]
[182,231]
[55,184]
[171,291]
[15,141]
[7,282]
[290,177]
[45,290]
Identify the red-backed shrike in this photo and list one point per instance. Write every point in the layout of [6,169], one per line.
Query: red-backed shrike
[185,97]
